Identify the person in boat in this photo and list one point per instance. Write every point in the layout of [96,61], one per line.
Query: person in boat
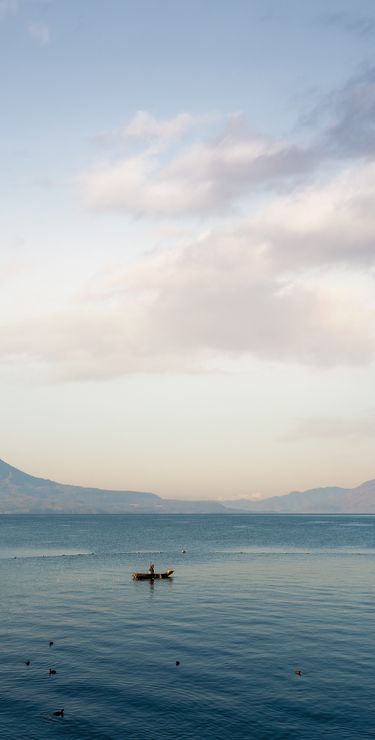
[151,569]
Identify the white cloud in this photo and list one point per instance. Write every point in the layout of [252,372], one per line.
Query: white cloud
[204,175]
[328,224]
[231,293]
[185,168]
[291,283]
[206,179]
[164,318]
[146,128]
[40,32]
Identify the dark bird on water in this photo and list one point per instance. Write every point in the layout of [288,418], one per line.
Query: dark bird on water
[177,662]
[298,673]
[27,662]
[51,643]
[52,672]
[59,713]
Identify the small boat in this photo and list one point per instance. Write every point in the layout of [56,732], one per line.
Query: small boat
[151,576]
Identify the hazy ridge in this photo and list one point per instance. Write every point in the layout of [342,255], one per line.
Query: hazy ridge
[329,500]
[24,493]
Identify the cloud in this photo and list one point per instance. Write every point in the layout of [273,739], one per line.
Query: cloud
[232,293]
[333,427]
[203,177]
[290,281]
[350,131]
[40,32]
[146,128]
[332,223]
[360,25]
[185,168]
[166,319]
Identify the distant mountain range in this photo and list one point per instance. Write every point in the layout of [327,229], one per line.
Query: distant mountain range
[331,500]
[21,493]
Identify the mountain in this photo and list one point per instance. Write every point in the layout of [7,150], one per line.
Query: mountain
[23,493]
[331,500]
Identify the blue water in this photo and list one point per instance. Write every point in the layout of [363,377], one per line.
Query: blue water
[254,599]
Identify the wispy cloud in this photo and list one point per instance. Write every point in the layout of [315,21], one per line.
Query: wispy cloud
[350,131]
[146,128]
[333,427]
[212,174]
[358,24]
[40,32]
[203,176]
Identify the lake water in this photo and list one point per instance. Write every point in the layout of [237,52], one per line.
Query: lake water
[254,599]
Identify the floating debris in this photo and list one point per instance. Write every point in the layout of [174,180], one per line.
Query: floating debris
[59,713]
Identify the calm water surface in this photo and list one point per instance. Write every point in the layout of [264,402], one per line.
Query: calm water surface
[253,599]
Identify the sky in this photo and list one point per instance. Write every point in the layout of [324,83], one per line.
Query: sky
[187,244]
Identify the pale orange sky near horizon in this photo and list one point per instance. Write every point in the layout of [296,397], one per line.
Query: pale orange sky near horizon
[203,450]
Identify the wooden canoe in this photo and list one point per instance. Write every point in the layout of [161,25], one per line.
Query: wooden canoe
[151,576]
